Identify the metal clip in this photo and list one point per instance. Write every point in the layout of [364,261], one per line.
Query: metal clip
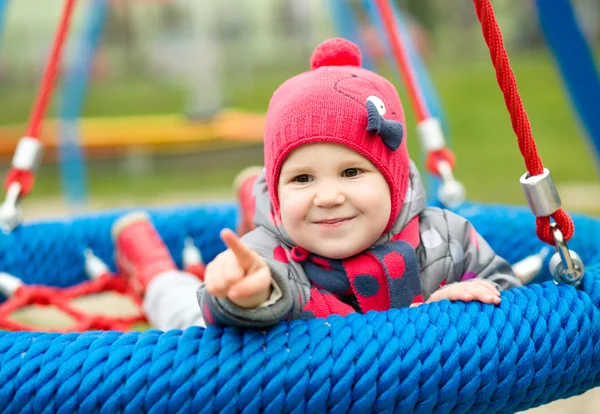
[431,135]
[28,154]
[451,193]
[10,213]
[94,266]
[191,254]
[530,267]
[9,284]
[565,265]
[541,193]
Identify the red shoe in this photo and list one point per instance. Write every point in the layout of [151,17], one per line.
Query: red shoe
[243,186]
[140,253]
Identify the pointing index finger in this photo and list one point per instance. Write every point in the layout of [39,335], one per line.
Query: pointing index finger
[243,253]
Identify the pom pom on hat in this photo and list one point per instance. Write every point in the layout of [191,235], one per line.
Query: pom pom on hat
[336,52]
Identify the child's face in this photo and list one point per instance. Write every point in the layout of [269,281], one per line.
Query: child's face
[333,201]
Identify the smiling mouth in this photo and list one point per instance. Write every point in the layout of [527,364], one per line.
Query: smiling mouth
[333,222]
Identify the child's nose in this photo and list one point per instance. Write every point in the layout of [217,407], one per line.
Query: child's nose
[329,196]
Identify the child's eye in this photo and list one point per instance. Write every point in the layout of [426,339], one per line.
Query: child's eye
[302,178]
[350,172]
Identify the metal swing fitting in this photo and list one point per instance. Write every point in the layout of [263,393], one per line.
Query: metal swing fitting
[27,157]
[542,196]
[9,284]
[565,265]
[94,266]
[451,193]
[10,213]
[191,254]
[28,154]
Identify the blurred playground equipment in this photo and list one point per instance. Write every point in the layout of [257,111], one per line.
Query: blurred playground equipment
[69,139]
[158,132]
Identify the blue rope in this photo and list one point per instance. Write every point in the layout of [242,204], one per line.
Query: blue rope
[72,159]
[575,60]
[51,252]
[540,344]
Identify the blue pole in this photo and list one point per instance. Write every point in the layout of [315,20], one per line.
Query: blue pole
[3,7]
[74,88]
[575,60]
[348,27]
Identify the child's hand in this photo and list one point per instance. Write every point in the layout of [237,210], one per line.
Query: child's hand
[468,291]
[239,274]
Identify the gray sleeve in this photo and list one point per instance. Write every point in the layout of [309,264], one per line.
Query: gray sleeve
[452,251]
[289,277]
[479,260]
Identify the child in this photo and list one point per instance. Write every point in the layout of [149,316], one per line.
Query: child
[341,223]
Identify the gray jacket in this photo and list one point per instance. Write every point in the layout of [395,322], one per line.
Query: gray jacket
[450,251]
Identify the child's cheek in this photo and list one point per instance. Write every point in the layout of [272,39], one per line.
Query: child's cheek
[294,207]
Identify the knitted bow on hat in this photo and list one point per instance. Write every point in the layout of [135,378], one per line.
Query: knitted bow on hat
[391,132]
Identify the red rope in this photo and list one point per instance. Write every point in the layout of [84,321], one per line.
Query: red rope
[399,51]
[409,78]
[518,116]
[24,177]
[433,159]
[51,72]
[27,295]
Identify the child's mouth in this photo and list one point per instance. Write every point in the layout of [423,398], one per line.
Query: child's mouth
[337,222]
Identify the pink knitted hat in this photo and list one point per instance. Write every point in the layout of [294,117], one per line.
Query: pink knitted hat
[340,102]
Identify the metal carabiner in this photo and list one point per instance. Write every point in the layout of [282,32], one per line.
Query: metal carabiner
[565,265]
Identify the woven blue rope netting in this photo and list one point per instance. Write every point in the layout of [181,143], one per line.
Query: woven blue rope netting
[540,344]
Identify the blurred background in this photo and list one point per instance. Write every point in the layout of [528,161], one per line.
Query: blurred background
[162,101]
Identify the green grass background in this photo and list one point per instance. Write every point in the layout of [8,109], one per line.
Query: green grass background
[489,162]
